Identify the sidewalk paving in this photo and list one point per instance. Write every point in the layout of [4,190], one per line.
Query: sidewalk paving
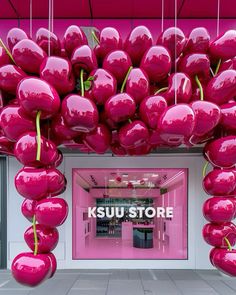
[125,282]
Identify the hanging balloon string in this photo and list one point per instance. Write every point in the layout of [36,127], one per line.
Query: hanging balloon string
[49,25]
[31,18]
[175,24]
[218,19]
[217,34]
[162,14]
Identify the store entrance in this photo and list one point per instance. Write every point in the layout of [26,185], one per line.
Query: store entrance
[130,213]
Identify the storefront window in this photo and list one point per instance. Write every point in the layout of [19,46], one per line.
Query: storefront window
[130,214]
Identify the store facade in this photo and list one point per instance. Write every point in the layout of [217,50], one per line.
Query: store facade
[88,241]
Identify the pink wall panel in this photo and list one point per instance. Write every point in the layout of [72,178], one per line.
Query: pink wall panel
[207,9]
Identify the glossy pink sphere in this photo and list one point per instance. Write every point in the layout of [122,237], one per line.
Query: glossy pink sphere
[57,72]
[219,182]
[79,113]
[28,55]
[14,122]
[98,140]
[47,238]
[214,234]
[73,38]
[120,107]
[222,87]
[51,212]
[14,36]
[31,270]
[28,209]
[219,209]
[228,116]
[151,109]
[36,95]
[10,76]
[222,152]
[137,85]
[26,148]
[43,37]
[225,261]
[37,183]
[177,123]
[198,41]
[207,116]
[138,41]
[118,63]
[156,62]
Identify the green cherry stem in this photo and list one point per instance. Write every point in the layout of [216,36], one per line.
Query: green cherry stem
[200,87]
[95,37]
[129,120]
[7,51]
[125,79]
[82,81]
[38,154]
[161,90]
[35,237]
[204,169]
[218,67]
[228,244]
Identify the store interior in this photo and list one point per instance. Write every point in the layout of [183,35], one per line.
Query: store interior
[121,235]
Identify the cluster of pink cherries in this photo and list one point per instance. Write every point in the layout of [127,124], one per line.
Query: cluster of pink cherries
[130,96]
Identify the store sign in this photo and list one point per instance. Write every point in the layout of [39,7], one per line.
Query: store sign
[133,212]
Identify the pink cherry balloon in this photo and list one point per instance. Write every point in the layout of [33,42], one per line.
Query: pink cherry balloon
[28,208]
[218,210]
[57,72]
[53,262]
[120,107]
[151,108]
[133,134]
[43,37]
[36,95]
[10,76]
[25,150]
[14,36]
[156,62]
[118,63]
[28,55]
[225,261]
[73,38]
[14,122]
[214,234]
[207,115]
[228,116]
[222,152]
[137,85]
[47,238]
[37,183]
[138,41]
[219,182]
[31,270]
[79,113]
[51,212]
[61,130]
[98,140]
[177,123]
[4,58]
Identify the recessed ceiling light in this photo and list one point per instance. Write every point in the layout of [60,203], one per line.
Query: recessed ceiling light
[112,180]
[145,179]
[125,175]
[155,175]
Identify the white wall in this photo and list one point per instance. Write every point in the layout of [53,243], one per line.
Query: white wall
[198,250]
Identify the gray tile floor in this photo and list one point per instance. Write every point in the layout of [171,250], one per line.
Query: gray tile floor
[126,282]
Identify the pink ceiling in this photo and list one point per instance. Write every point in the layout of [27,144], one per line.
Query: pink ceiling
[117,9]
[153,178]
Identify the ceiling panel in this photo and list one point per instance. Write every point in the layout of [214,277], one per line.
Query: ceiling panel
[62,9]
[208,9]
[6,10]
[133,8]
[122,178]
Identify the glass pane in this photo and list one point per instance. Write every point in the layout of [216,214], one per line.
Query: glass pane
[130,213]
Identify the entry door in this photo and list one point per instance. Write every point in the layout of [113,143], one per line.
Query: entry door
[3,213]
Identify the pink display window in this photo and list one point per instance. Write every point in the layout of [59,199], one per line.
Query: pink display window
[130,213]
